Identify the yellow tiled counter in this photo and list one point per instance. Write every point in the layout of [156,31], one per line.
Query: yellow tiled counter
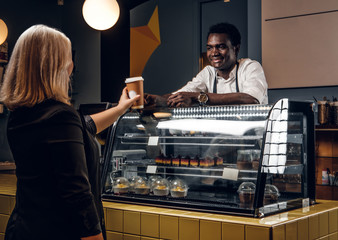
[128,221]
[136,222]
[7,200]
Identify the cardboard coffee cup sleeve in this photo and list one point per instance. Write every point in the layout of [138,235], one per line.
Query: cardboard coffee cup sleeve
[132,94]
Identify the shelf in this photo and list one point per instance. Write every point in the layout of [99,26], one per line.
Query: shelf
[289,169]
[329,128]
[7,166]
[189,140]
[198,137]
[196,175]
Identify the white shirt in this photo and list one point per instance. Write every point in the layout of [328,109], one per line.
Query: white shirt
[251,80]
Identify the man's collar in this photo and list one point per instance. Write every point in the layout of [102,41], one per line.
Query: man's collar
[232,74]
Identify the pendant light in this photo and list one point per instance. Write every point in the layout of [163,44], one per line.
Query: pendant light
[3,31]
[101,14]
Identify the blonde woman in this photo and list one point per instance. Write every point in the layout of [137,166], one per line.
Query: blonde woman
[57,166]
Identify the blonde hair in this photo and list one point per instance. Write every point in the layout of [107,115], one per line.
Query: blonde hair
[38,68]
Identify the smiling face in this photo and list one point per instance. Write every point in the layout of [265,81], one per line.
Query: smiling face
[221,54]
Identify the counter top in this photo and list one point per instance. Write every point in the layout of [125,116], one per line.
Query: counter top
[7,184]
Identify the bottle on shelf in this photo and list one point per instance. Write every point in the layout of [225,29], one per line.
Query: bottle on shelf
[325,177]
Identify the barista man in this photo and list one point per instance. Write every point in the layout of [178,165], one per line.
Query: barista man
[226,81]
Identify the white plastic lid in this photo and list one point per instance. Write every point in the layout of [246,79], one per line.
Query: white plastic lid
[134,79]
[271,189]
[247,187]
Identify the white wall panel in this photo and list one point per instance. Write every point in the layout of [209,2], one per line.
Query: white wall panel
[285,8]
[300,51]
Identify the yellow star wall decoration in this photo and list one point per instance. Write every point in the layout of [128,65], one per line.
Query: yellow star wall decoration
[143,42]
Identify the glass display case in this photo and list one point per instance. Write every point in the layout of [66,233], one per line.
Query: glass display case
[250,160]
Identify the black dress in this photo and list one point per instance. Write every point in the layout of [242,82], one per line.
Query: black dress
[57,167]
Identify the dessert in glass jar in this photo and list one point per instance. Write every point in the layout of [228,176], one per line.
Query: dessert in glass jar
[246,192]
[271,194]
[178,188]
[256,155]
[120,185]
[161,187]
[142,186]
[132,182]
[244,159]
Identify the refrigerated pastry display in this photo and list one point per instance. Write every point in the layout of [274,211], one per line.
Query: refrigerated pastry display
[204,147]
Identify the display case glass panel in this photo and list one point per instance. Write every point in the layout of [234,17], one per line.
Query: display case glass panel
[251,160]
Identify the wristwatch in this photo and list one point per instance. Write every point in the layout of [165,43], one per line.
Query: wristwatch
[202,98]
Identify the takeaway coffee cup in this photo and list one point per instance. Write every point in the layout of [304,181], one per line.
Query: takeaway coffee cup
[135,87]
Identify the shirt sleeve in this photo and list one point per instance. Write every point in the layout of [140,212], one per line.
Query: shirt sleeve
[67,154]
[90,124]
[254,82]
[198,83]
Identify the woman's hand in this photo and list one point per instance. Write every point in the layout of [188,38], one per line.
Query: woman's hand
[125,102]
[106,118]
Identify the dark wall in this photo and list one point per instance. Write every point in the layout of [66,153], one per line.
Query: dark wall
[183,29]
[173,63]
[115,56]
[18,19]
[115,53]
[86,44]
[234,12]
[21,14]
[254,30]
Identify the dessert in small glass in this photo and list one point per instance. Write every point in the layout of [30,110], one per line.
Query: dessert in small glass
[152,180]
[246,192]
[160,187]
[120,185]
[167,160]
[185,162]
[142,186]
[256,155]
[132,182]
[159,159]
[207,162]
[244,159]
[194,162]
[271,194]
[218,161]
[178,188]
[176,161]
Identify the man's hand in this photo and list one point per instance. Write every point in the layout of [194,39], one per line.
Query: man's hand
[182,99]
[151,100]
